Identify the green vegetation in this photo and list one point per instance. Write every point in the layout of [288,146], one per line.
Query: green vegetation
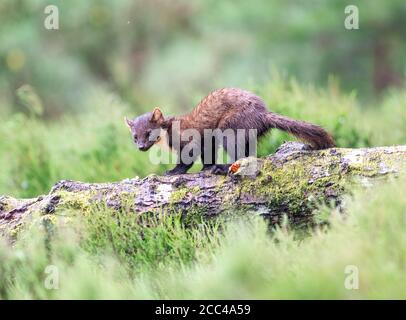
[95,146]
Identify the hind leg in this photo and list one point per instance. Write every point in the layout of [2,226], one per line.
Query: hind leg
[186,159]
[209,157]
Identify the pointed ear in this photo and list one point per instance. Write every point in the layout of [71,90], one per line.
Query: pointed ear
[128,123]
[157,115]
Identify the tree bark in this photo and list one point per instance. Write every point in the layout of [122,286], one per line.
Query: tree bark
[384,75]
[291,182]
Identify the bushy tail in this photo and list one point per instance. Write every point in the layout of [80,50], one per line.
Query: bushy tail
[313,134]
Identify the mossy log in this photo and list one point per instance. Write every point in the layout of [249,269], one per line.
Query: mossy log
[291,182]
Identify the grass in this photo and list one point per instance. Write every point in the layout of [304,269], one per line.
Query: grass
[104,254]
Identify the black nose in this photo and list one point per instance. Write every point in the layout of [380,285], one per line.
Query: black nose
[142,148]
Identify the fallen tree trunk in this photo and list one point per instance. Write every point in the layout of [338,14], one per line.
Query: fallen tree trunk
[292,182]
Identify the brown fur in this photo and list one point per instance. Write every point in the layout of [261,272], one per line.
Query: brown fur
[230,108]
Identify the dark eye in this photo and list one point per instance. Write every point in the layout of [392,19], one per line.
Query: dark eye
[135,138]
[148,134]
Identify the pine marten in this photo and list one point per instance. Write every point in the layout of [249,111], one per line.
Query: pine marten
[228,108]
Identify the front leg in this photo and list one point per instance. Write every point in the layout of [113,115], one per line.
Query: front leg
[179,169]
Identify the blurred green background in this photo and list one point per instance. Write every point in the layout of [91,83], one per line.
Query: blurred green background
[63,93]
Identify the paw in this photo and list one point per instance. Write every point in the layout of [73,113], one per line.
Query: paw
[220,169]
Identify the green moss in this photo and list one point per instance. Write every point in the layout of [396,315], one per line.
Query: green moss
[6,203]
[50,219]
[301,184]
[81,201]
[195,190]
[220,183]
[126,199]
[15,231]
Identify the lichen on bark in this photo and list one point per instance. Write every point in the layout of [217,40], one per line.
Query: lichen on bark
[291,182]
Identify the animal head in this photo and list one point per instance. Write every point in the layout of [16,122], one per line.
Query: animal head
[145,129]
